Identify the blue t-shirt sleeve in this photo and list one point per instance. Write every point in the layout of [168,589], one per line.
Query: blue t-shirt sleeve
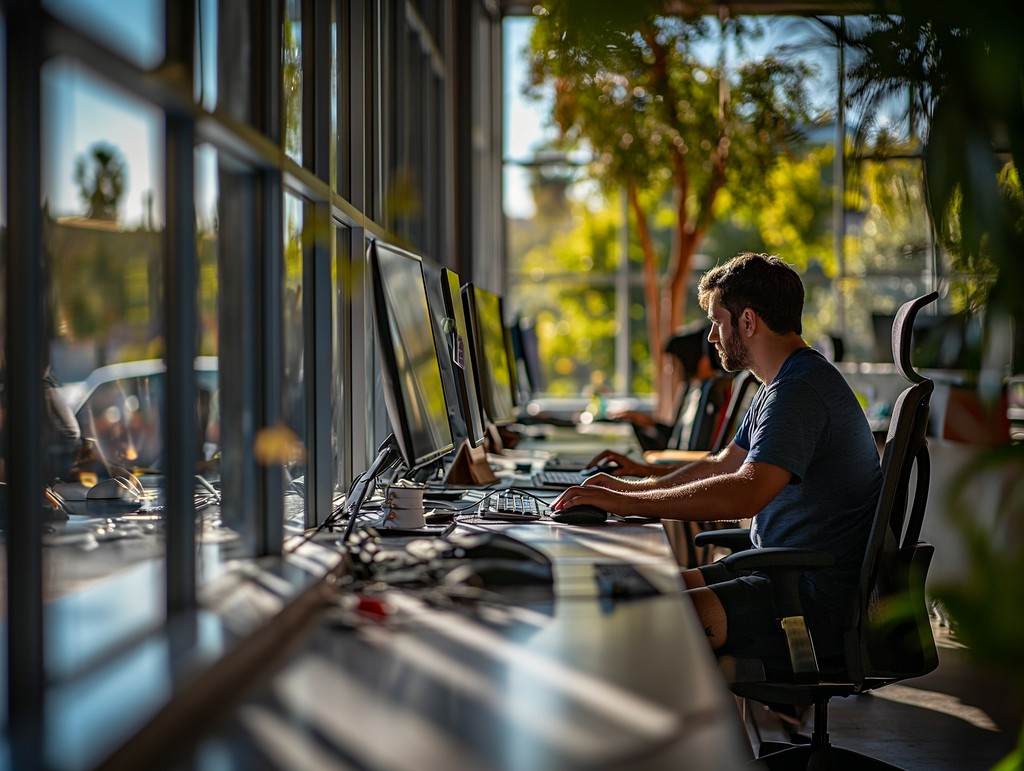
[791,421]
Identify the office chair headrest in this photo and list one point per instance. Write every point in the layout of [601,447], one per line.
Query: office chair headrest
[902,335]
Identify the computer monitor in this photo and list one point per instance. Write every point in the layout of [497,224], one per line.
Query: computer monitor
[459,343]
[413,391]
[470,466]
[443,340]
[485,314]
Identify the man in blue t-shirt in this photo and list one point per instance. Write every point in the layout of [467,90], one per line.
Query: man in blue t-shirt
[803,464]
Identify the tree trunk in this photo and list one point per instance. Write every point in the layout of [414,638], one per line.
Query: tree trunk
[652,286]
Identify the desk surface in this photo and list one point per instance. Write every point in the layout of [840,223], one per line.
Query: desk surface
[560,679]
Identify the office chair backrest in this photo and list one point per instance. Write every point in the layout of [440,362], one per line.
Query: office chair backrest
[890,637]
[744,386]
[714,396]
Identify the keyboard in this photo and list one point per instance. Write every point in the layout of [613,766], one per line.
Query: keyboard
[559,479]
[511,506]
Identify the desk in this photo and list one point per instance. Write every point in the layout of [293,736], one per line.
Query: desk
[560,679]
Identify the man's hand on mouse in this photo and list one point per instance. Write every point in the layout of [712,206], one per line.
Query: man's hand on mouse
[602,497]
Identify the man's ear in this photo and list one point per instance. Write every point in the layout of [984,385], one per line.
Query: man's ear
[748,322]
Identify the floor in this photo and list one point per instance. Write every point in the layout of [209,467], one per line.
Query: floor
[958,718]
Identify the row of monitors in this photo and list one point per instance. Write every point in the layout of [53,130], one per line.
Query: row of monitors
[477,347]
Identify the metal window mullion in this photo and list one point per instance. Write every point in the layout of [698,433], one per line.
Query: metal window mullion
[316,311]
[24,398]
[237,350]
[268,100]
[352,88]
[464,257]
[270,356]
[180,279]
[316,53]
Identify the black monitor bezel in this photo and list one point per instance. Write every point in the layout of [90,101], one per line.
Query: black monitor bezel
[390,375]
[466,378]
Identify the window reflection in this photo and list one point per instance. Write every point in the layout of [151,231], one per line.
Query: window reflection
[294,372]
[205,86]
[102,183]
[339,353]
[291,52]
[133,28]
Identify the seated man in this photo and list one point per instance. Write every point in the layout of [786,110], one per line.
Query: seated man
[803,465]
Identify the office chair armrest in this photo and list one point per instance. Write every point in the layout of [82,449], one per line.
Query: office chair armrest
[734,538]
[777,559]
[785,567]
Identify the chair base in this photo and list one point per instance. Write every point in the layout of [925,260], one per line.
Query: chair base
[779,756]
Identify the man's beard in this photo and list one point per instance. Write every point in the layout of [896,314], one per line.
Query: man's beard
[733,353]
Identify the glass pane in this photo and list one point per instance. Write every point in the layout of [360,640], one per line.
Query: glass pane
[291,61]
[576,330]
[102,184]
[206,53]
[133,28]
[336,127]
[294,380]
[340,288]
[218,543]
[888,226]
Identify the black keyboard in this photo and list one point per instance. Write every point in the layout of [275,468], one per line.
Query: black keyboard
[511,506]
[560,479]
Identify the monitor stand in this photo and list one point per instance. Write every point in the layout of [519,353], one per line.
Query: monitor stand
[470,467]
[499,439]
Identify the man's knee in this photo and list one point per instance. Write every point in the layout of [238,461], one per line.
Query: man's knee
[712,615]
[692,578]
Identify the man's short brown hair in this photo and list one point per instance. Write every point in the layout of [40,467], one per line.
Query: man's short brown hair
[761,282]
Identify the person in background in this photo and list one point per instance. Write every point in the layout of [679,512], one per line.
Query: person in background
[695,362]
[62,436]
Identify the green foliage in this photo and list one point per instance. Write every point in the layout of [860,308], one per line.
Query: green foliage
[101,178]
[962,66]
[629,84]
[575,316]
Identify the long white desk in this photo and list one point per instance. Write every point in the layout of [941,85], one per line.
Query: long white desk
[533,680]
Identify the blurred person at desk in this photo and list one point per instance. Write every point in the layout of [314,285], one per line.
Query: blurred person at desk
[695,362]
[803,465]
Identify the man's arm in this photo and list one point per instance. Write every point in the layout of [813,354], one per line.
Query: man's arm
[739,494]
[727,461]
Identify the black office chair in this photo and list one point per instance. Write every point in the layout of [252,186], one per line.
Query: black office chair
[888,636]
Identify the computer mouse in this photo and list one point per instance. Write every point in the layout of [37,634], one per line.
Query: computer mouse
[500,573]
[494,545]
[580,515]
[600,468]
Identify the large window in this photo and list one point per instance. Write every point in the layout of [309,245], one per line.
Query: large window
[856,227]
[207,372]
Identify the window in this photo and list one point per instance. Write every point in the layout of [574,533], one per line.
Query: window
[104,383]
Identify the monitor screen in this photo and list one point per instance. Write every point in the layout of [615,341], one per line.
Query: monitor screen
[413,390]
[459,344]
[484,310]
[524,340]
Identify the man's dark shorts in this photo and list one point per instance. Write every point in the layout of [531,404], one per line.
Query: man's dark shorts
[753,621]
